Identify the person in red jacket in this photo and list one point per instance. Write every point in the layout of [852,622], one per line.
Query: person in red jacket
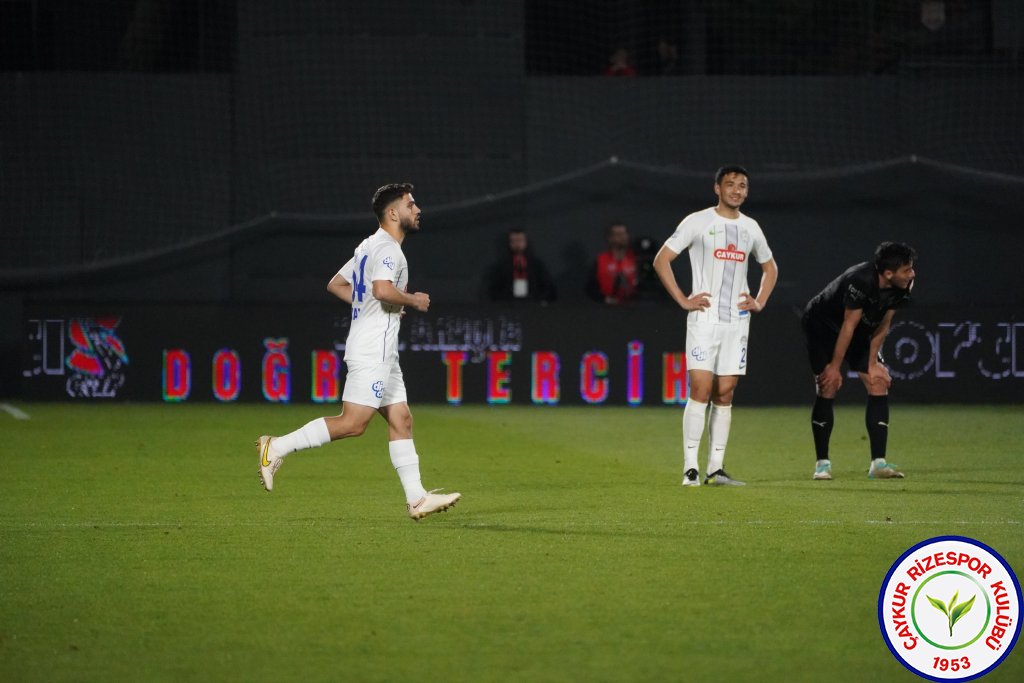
[620,64]
[616,273]
[520,275]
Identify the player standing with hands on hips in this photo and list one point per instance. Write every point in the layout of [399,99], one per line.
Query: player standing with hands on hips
[721,241]
[374,283]
[848,320]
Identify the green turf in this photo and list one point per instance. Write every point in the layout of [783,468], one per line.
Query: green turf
[136,544]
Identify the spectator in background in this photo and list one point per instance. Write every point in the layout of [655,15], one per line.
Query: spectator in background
[616,273]
[648,283]
[620,64]
[519,275]
[668,58]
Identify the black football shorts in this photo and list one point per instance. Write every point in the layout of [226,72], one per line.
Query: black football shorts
[821,342]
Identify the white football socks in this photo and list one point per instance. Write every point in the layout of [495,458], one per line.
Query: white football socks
[407,463]
[718,435]
[693,430]
[310,435]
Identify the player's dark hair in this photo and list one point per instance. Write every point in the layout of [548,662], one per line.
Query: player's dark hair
[613,225]
[726,170]
[893,255]
[383,197]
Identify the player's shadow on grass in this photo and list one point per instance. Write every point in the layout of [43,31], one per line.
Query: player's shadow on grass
[570,531]
[902,487]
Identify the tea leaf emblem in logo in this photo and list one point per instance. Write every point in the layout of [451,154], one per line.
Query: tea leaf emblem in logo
[954,611]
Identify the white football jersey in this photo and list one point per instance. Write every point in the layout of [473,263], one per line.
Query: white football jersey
[373,335]
[720,249]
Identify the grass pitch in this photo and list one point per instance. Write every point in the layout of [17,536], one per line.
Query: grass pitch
[137,545]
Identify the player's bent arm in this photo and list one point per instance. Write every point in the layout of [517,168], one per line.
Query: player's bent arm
[851,318]
[878,337]
[341,288]
[878,374]
[831,379]
[663,267]
[385,290]
[769,278]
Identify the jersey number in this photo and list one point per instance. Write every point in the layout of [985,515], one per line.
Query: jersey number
[358,286]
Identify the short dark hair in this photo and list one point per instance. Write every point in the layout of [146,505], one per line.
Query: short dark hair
[726,170]
[893,255]
[383,197]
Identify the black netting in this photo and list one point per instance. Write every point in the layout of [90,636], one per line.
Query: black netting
[134,129]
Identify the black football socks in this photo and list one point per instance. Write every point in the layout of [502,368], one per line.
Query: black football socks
[876,419]
[822,419]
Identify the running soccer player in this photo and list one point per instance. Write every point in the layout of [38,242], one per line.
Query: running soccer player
[721,241]
[374,282]
[848,320]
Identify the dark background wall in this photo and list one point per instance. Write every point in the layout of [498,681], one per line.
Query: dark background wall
[228,152]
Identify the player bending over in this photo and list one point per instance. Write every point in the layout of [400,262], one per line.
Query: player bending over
[848,320]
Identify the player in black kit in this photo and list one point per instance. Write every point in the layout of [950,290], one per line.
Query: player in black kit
[848,320]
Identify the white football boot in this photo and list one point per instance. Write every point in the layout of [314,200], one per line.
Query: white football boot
[431,503]
[270,462]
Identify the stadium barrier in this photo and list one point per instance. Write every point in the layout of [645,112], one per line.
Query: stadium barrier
[554,355]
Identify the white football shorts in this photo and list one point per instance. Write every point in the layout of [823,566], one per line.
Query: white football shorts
[374,384]
[719,348]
